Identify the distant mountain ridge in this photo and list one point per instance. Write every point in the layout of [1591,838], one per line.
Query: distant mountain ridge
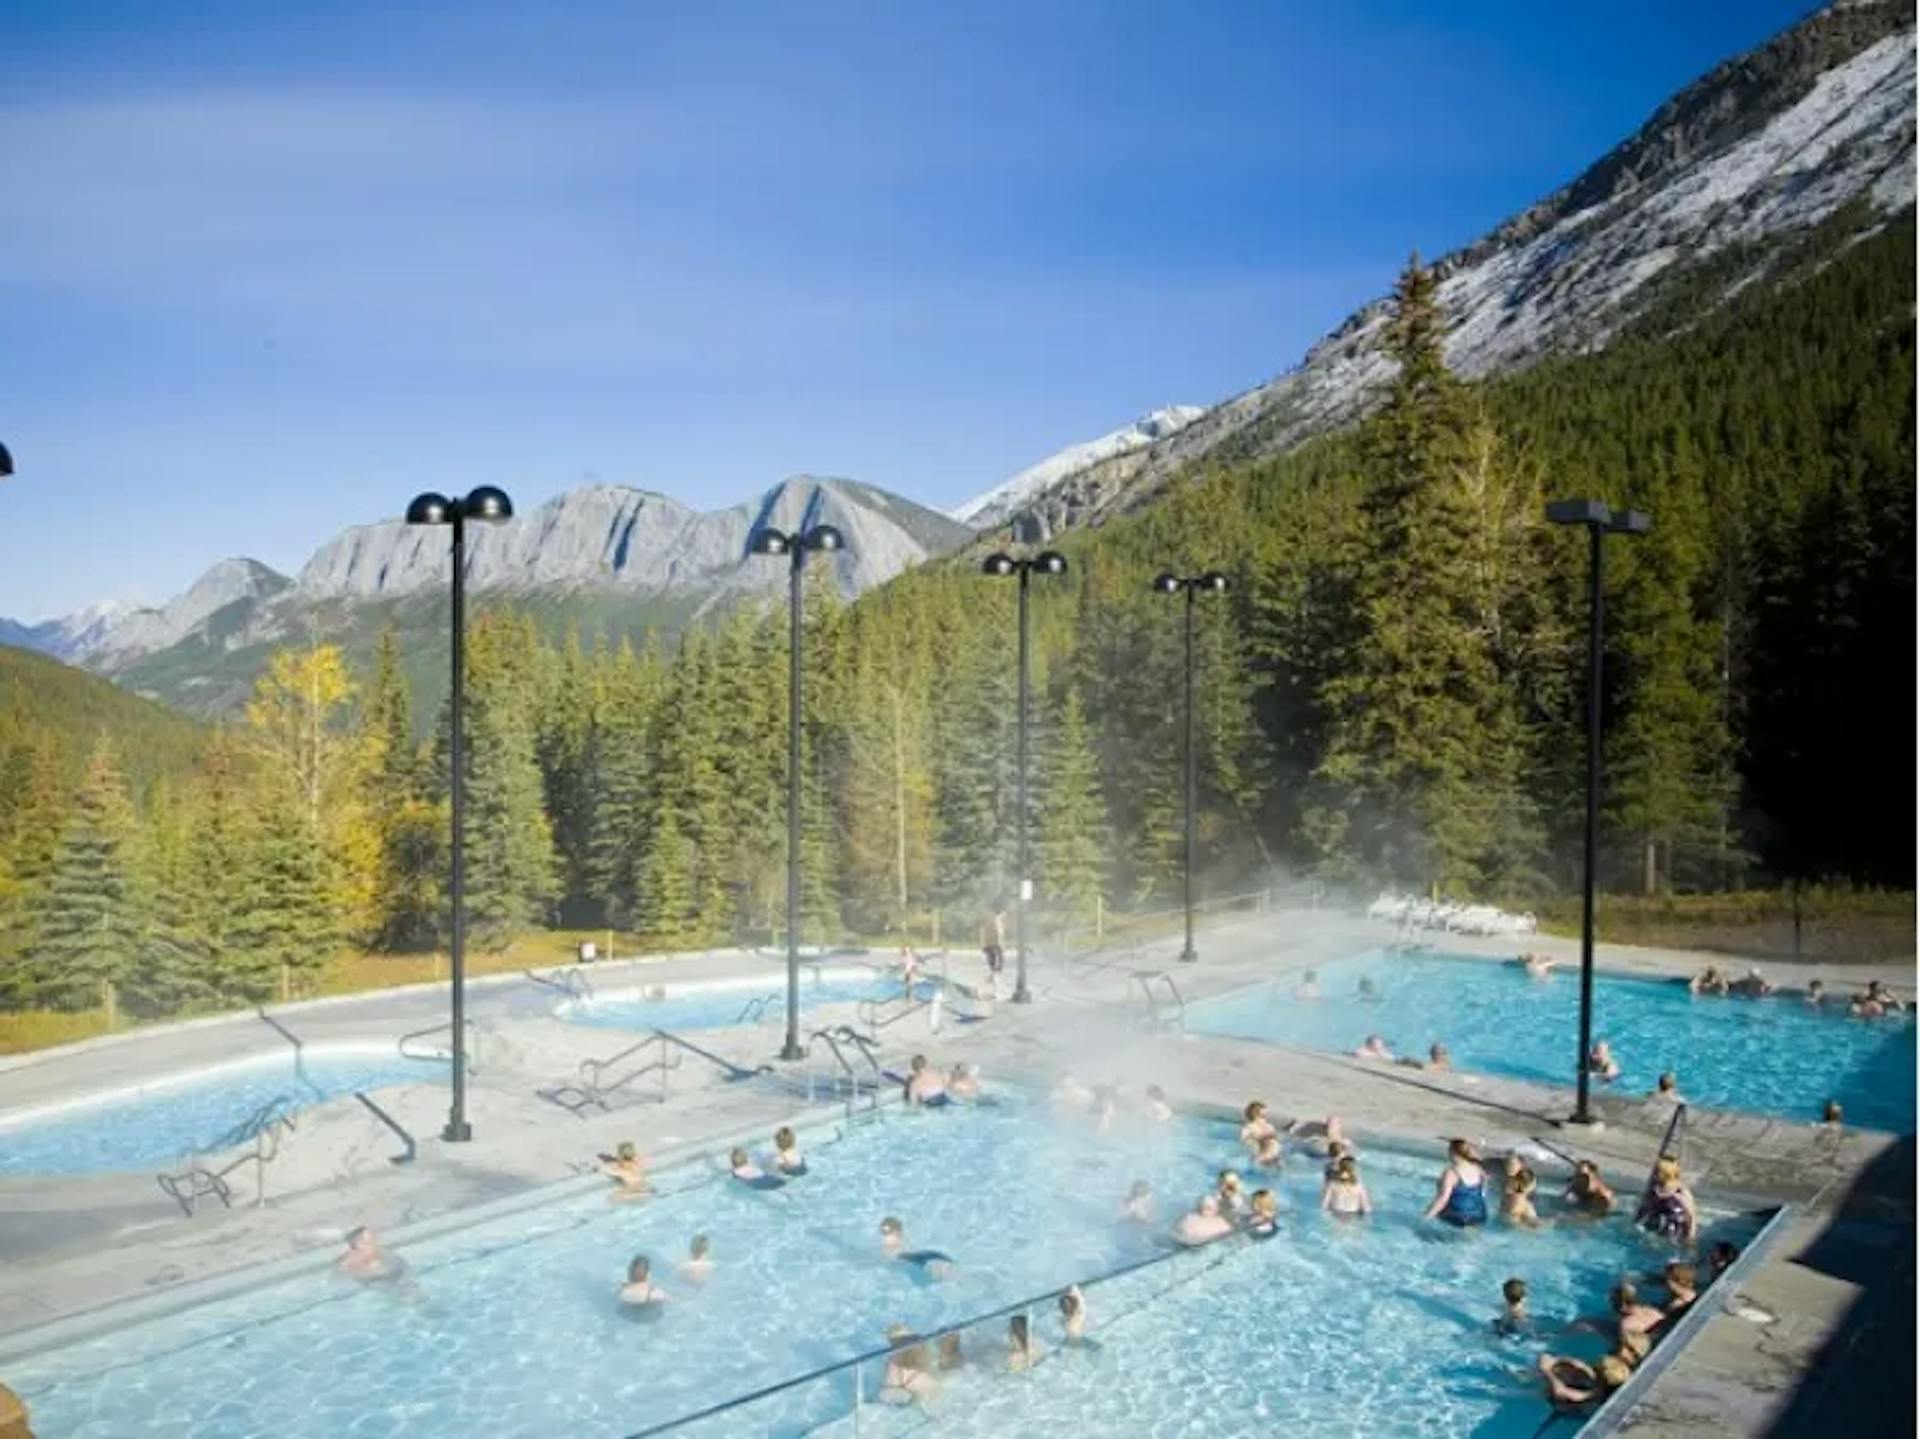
[1763,147]
[1011,495]
[624,551]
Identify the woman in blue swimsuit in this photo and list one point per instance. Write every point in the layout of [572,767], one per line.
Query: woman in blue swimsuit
[930,1262]
[1460,1198]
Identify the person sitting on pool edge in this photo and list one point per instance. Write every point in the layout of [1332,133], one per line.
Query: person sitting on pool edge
[786,1153]
[1343,1195]
[1460,1197]
[930,1262]
[1587,1192]
[1601,1064]
[1202,1224]
[1669,1209]
[924,1086]
[740,1164]
[628,1171]
[640,1293]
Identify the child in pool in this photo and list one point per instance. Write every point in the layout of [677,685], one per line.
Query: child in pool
[1343,1194]
[931,1262]
[1263,1218]
[741,1166]
[697,1267]
[1516,1205]
[1073,1318]
[786,1153]
[640,1292]
[1514,1321]
[1232,1196]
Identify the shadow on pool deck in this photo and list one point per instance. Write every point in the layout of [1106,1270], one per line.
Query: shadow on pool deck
[1862,1380]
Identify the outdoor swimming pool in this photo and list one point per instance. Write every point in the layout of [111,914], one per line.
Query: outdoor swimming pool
[156,1123]
[1773,1056]
[720,1004]
[515,1332]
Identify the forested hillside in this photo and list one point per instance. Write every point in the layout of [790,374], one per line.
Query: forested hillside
[1390,693]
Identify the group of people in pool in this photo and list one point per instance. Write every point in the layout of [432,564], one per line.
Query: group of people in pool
[915,1372]
[1876,1001]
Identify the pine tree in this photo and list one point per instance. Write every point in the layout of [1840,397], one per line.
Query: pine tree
[84,919]
[1073,835]
[666,883]
[176,966]
[289,922]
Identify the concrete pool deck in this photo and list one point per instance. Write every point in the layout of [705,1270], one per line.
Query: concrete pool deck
[72,1244]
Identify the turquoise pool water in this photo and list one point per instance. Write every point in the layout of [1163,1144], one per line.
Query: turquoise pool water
[1773,1056]
[156,1124]
[726,1003]
[514,1332]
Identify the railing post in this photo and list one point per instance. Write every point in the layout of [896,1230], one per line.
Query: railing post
[1099,916]
[859,1398]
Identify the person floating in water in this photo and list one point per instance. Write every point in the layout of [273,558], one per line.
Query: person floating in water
[1308,987]
[1831,1114]
[1439,1057]
[1343,1195]
[1201,1225]
[1318,1136]
[367,1261]
[740,1164]
[697,1267]
[1587,1193]
[924,1086]
[640,1292]
[1669,1209]
[1514,1321]
[1460,1197]
[1601,1064]
[628,1171]
[1366,991]
[930,1262]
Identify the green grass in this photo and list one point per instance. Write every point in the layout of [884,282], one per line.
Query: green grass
[1836,924]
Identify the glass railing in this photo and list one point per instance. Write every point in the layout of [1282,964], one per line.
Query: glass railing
[901,1385]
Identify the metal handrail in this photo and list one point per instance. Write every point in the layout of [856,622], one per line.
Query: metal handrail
[1666,1140]
[187,1187]
[260,1119]
[442,1057]
[853,1075]
[1146,983]
[393,1124]
[733,1071]
[867,1012]
[856,1362]
[757,1007]
[571,981]
[299,1047]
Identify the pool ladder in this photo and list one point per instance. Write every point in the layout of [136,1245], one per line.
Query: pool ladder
[1163,1011]
[846,1073]
[442,1054]
[194,1182]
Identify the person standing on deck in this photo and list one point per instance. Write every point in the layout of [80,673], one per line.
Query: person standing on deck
[993,943]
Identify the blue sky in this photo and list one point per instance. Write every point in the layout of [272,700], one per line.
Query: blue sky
[270,269]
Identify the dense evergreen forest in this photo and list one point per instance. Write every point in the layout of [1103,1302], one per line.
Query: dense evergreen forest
[1391,693]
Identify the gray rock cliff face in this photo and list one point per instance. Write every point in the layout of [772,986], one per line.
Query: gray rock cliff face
[1763,147]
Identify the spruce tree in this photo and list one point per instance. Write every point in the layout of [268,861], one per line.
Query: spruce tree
[289,923]
[84,919]
[1072,827]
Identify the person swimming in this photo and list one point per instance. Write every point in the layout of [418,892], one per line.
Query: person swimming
[1537,966]
[740,1164]
[697,1267]
[640,1292]
[1255,1125]
[1574,1386]
[1374,1047]
[1601,1064]
[1366,991]
[786,1153]
[1308,987]
[1343,1195]
[367,1261]
[924,1086]
[1202,1224]
[628,1171]
[909,1376]
[1139,1203]
[1318,1136]
[1669,1209]
[930,1262]
[1587,1192]
[1514,1321]
[1460,1196]
[1263,1215]
[1516,1204]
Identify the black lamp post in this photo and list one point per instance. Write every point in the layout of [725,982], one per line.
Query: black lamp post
[486,504]
[1212,582]
[6,462]
[1599,521]
[1047,562]
[795,547]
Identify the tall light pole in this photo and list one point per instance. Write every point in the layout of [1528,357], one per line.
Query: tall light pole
[489,505]
[1211,582]
[1599,521]
[1047,562]
[795,547]
[6,462]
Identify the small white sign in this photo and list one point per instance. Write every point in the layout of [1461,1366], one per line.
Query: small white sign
[1026,889]
[589,950]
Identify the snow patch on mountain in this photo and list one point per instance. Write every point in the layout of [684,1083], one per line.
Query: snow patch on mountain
[1004,499]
